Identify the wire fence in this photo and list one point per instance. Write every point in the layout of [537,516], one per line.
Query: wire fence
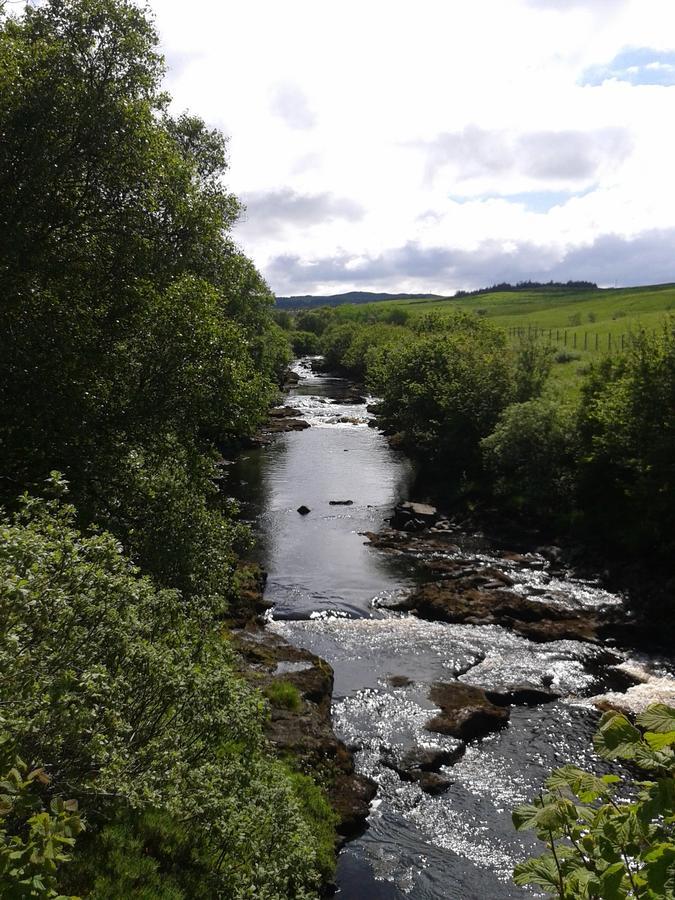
[576,339]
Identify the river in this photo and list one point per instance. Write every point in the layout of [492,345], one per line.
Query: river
[330,591]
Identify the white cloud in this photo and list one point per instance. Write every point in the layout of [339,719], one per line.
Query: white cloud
[290,104]
[356,130]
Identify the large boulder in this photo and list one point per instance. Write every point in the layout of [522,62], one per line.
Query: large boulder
[409,516]
[465,711]
[477,599]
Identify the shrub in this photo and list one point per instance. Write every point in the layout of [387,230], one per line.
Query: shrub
[599,847]
[397,316]
[336,341]
[283,693]
[128,697]
[532,367]
[531,455]
[305,343]
[627,428]
[34,842]
[315,320]
[444,392]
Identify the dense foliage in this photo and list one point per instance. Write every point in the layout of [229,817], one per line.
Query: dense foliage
[601,843]
[136,345]
[443,391]
[484,415]
[128,697]
[627,431]
[133,334]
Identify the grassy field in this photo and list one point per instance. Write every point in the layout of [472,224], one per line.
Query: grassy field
[582,325]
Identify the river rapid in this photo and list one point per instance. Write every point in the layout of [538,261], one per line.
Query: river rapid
[330,591]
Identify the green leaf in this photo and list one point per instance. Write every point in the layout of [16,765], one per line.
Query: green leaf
[612,882]
[586,786]
[541,870]
[616,738]
[660,866]
[659,740]
[525,817]
[657,717]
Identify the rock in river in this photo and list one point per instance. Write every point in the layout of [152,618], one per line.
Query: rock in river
[476,600]
[466,712]
[410,516]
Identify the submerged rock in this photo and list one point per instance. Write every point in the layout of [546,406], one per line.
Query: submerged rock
[650,688]
[422,766]
[303,510]
[340,502]
[466,712]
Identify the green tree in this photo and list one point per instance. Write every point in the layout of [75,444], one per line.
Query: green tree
[532,458]
[134,337]
[130,699]
[627,427]
[443,392]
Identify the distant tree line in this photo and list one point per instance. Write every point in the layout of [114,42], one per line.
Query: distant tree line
[310,301]
[505,286]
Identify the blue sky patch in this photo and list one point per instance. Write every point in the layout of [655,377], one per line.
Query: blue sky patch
[533,201]
[635,65]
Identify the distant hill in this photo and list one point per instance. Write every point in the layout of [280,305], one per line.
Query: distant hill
[309,301]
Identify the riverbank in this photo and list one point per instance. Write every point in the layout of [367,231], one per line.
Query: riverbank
[298,686]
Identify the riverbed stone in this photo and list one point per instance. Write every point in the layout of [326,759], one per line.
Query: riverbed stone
[422,765]
[523,695]
[409,516]
[465,711]
[303,510]
[474,600]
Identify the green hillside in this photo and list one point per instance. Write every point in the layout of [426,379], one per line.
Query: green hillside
[580,325]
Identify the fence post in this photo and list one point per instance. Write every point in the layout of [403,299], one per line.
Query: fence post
[575,340]
[565,338]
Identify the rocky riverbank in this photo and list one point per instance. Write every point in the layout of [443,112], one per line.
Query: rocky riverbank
[300,730]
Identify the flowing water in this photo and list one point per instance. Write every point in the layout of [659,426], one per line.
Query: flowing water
[330,592]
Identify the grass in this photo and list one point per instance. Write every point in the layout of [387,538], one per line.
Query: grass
[604,312]
[284,694]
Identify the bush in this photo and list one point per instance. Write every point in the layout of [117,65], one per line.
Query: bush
[315,320]
[336,341]
[444,392]
[397,316]
[531,456]
[128,698]
[532,367]
[305,343]
[600,848]
[627,428]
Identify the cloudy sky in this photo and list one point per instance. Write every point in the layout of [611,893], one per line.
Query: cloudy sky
[440,144]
